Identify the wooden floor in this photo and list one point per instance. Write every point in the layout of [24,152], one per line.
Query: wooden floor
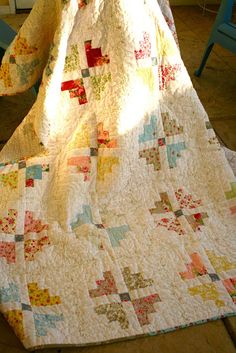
[217,91]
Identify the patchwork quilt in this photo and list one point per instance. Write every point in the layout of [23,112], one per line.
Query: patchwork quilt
[117,207]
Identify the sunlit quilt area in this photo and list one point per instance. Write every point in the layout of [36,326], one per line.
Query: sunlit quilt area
[117,176]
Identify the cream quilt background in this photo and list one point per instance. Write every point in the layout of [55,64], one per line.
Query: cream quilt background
[117,209]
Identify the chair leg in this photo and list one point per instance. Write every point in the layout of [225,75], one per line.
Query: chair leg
[198,72]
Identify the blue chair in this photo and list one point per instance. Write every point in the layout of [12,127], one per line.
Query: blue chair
[7,35]
[223,32]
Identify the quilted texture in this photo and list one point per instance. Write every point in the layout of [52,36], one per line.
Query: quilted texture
[117,210]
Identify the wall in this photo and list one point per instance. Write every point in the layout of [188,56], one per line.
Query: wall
[193,2]
[4,3]
[172,2]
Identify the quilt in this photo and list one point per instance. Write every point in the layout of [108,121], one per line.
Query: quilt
[118,205]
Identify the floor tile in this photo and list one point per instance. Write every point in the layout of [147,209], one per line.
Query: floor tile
[13,110]
[230,324]
[230,61]
[222,52]
[210,338]
[193,18]
[7,337]
[216,90]
[180,25]
[226,129]
[217,85]
[192,51]
[15,21]
[8,349]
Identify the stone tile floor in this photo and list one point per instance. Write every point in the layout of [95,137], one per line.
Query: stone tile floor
[217,91]
[217,85]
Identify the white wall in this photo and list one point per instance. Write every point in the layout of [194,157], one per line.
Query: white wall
[193,2]
[7,6]
[25,4]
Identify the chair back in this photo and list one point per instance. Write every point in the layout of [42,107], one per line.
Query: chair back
[225,12]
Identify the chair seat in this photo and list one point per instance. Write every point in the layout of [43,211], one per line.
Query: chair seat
[228,29]
[7,34]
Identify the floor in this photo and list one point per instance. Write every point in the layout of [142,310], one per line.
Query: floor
[217,91]
[217,85]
